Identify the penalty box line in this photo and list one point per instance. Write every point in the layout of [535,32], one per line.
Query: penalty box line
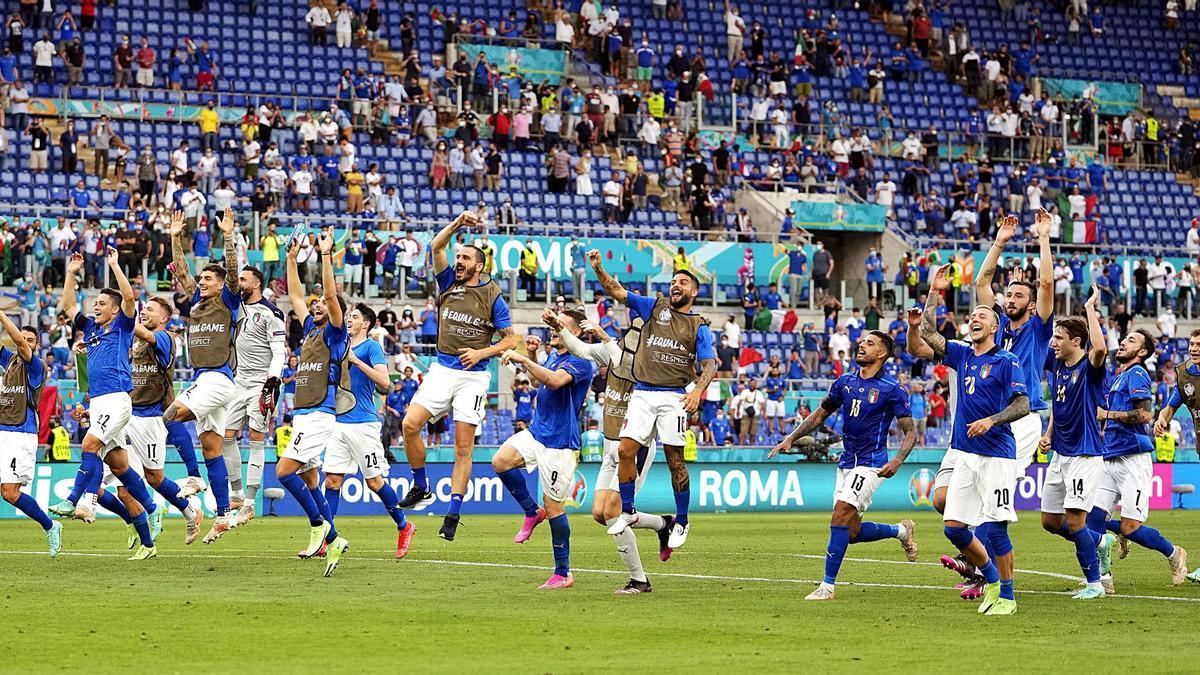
[583,570]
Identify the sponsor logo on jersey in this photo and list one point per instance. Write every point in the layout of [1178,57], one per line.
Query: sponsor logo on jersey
[665,342]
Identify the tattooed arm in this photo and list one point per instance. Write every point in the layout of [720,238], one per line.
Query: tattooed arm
[1139,415]
[612,287]
[810,424]
[179,264]
[909,428]
[1017,408]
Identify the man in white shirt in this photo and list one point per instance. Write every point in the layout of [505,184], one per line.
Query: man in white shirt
[179,159]
[277,180]
[735,28]
[612,199]
[251,154]
[1078,204]
[885,193]
[1062,285]
[44,52]
[779,121]
[1157,279]
[1033,195]
[733,331]
[302,181]
[318,21]
[61,236]
[910,147]
[1167,321]
[206,172]
[839,342]
[650,133]
[1193,238]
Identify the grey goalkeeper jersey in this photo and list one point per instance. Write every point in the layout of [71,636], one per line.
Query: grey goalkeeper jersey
[260,343]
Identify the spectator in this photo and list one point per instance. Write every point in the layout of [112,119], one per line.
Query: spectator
[822,270]
[39,146]
[44,52]
[318,21]
[1157,281]
[748,407]
[1167,322]
[612,192]
[122,62]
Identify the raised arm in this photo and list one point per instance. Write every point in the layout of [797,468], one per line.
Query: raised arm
[596,353]
[128,297]
[1098,351]
[69,304]
[554,379]
[983,278]
[14,333]
[1045,301]
[179,264]
[612,287]
[442,239]
[329,281]
[231,260]
[295,289]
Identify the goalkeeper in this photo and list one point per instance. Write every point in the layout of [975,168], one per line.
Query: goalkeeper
[261,351]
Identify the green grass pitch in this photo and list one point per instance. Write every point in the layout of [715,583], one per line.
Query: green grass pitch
[732,599]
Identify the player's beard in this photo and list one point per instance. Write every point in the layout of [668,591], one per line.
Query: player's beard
[1127,359]
[1019,315]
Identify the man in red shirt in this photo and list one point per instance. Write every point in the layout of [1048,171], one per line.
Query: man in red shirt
[145,64]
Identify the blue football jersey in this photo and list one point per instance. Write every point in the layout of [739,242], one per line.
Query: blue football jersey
[986,383]
[1031,343]
[109,369]
[867,406]
[556,417]
[364,410]
[1078,391]
[1120,438]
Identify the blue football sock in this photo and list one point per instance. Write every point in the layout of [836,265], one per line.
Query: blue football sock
[89,465]
[627,490]
[839,541]
[136,487]
[1006,589]
[295,486]
[323,508]
[455,504]
[1151,539]
[218,482]
[560,536]
[1097,520]
[178,435]
[29,506]
[1085,551]
[419,478]
[682,500]
[334,499]
[875,532]
[1001,543]
[1113,526]
[170,492]
[109,501]
[143,529]
[514,480]
[983,533]
[388,496]
[990,574]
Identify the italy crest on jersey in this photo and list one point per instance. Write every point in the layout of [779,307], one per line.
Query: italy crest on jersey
[985,370]
[873,396]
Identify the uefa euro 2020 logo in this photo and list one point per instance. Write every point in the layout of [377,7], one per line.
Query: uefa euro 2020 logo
[920,488]
[577,496]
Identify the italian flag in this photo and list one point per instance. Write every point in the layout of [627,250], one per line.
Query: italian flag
[1083,230]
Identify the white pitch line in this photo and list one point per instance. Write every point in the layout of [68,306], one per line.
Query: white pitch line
[1055,575]
[676,575]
